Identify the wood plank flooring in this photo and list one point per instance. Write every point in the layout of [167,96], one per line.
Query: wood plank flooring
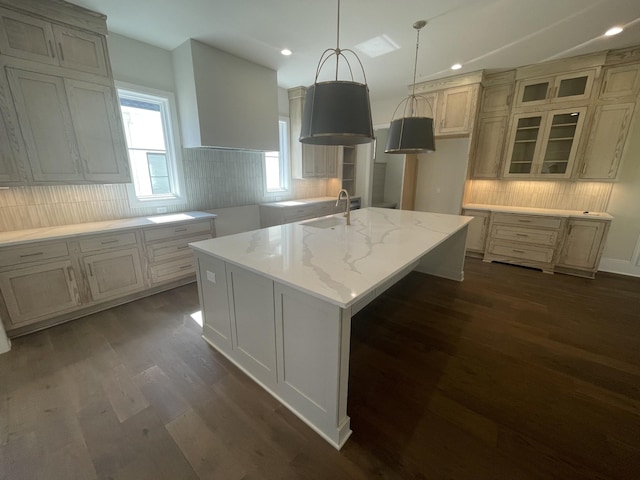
[511,374]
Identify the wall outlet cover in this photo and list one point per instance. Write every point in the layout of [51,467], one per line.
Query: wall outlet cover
[211,276]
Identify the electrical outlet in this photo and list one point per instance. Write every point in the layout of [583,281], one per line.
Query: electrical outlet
[211,276]
[161,210]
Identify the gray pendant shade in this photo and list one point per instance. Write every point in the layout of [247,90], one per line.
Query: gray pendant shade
[411,135]
[337,113]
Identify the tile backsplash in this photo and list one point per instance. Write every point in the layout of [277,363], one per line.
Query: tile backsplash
[592,196]
[213,179]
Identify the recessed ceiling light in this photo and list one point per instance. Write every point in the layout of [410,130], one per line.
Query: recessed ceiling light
[286,52]
[456,66]
[613,31]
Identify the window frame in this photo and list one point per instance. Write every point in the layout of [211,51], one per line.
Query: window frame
[285,162]
[173,146]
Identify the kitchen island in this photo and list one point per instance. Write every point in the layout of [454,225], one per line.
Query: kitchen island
[278,301]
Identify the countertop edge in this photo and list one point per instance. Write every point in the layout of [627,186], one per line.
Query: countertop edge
[540,211]
[94,228]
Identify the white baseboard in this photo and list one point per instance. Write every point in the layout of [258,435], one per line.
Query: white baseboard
[622,267]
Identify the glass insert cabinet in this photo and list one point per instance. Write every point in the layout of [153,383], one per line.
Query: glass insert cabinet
[544,144]
[555,89]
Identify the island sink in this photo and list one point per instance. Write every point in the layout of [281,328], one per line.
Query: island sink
[325,222]
[278,302]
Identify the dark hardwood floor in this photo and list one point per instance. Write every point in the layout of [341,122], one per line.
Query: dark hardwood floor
[511,374]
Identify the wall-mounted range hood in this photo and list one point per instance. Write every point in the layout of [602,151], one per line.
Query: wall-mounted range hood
[225,101]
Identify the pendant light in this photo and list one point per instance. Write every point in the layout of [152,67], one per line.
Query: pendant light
[412,133]
[337,112]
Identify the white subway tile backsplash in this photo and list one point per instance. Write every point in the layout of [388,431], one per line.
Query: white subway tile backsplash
[213,179]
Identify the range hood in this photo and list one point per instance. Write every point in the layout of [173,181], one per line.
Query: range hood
[225,101]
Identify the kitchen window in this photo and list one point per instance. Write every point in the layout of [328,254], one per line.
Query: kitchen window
[276,164]
[152,139]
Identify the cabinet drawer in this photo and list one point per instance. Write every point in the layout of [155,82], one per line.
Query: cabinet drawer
[161,233]
[524,252]
[107,241]
[528,220]
[171,270]
[33,253]
[526,235]
[175,248]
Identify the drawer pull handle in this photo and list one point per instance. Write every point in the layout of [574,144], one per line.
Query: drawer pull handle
[524,221]
[517,251]
[184,267]
[521,235]
[183,247]
[26,255]
[107,242]
[180,230]
[90,269]
[61,51]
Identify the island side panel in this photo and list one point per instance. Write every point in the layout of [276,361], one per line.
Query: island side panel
[447,259]
[214,305]
[313,344]
[253,329]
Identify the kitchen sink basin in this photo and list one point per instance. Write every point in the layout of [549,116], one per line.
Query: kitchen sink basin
[325,222]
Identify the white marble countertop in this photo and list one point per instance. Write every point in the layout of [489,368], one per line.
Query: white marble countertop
[342,264]
[302,201]
[539,211]
[17,237]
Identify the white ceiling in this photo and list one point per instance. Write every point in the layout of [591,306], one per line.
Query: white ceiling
[480,34]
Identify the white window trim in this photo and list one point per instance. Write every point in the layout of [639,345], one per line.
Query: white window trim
[174,144]
[270,194]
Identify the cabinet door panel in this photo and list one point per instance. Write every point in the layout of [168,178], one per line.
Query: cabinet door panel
[477,231]
[8,166]
[497,99]
[606,141]
[560,141]
[35,293]
[621,81]
[26,37]
[80,50]
[456,110]
[489,147]
[45,120]
[98,131]
[573,86]
[114,274]
[524,144]
[582,245]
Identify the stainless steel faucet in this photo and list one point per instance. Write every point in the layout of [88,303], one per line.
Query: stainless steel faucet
[347,207]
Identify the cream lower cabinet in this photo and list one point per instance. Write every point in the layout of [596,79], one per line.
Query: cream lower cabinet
[583,245]
[38,292]
[477,230]
[114,274]
[571,245]
[167,249]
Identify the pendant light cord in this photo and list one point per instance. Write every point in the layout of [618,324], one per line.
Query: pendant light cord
[338,43]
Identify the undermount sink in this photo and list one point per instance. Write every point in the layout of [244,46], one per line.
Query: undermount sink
[325,222]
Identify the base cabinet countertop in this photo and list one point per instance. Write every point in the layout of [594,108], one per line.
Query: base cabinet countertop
[51,275]
[562,241]
[278,301]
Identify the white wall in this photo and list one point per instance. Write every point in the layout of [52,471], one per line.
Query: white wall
[622,250]
[140,63]
[441,176]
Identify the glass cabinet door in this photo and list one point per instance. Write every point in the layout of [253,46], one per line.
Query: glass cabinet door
[561,142]
[575,86]
[524,147]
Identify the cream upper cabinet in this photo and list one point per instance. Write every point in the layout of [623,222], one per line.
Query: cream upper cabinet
[583,244]
[45,121]
[93,109]
[555,89]
[71,129]
[489,145]
[34,39]
[544,144]
[496,99]
[606,141]
[621,81]
[26,37]
[9,151]
[455,110]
